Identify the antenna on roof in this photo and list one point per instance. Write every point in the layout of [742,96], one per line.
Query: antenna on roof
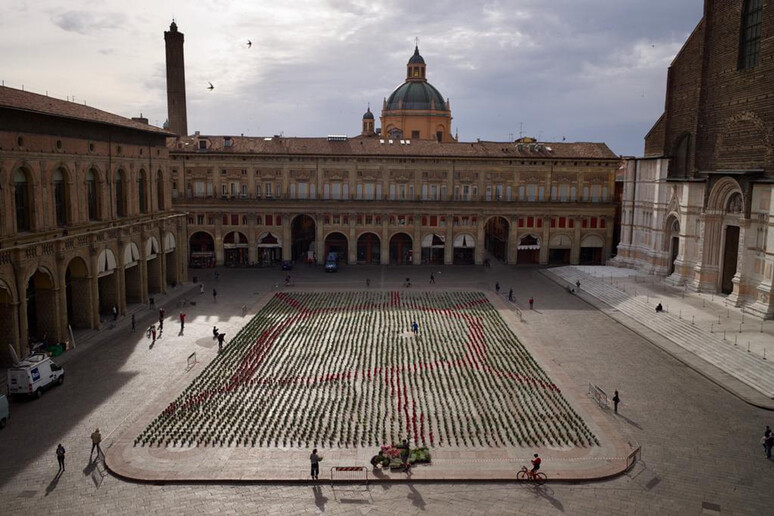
[416,41]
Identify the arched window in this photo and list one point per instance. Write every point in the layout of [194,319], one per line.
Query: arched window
[750,34]
[60,198]
[681,158]
[91,192]
[22,201]
[142,192]
[120,200]
[160,190]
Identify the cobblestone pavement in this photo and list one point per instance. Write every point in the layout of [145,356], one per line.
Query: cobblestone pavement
[701,451]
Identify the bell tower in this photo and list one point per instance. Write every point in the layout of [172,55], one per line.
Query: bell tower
[176,109]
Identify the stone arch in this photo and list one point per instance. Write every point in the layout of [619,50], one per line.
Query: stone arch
[721,192]
[41,296]
[235,248]
[132,273]
[560,248]
[160,190]
[143,197]
[528,249]
[339,245]
[8,321]
[401,251]
[153,265]
[369,248]
[671,242]
[78,293]
[497,230]
[464,249]
[107,281]
[23,199]
[171,258]
[121,182]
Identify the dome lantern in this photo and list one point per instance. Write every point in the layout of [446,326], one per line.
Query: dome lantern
[416,67]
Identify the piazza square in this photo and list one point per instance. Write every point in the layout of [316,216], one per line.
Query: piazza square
[252,275]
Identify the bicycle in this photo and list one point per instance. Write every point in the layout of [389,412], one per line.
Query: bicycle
[525,474]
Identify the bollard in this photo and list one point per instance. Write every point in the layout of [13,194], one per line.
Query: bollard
[728,314]
[693,320]
[748,346]
[740,327]
[735,336]
[761,326]
[742,317]
[764,353]
[681,314]
[724,335]
[718,318]
[712,328]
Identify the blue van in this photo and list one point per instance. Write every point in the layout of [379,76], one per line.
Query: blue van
[331,262]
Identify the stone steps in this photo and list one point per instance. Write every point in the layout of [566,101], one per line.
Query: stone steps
[749,369]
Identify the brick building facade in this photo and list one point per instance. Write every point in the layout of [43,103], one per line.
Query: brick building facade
[86,225]
[698,206]
[406,193]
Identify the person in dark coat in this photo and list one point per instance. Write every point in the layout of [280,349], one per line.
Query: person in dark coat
[616,401]
[60,457]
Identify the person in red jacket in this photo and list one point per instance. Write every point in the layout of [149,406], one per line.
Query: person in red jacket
[535,465]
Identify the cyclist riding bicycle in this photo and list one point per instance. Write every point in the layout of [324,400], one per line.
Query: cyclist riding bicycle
[535,465]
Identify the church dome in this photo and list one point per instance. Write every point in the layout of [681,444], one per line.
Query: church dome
[368,115]
[416,95]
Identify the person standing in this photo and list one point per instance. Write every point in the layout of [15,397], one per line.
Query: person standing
[221,338]
[60,457]
[182,321]
[161,327]
[432,279]
[315,459]
[201,288]
[368,282]
[616,401]
[415,327]
[497,287]
[134,323]
[214,296]
[531,302]
[115,313]
[96,439]
[510,295]
[153,334]
[768,444]
[162,313]
[577,284]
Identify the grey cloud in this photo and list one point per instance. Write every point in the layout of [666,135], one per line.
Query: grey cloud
[84,22]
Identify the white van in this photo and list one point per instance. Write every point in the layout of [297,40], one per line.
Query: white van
[33,374]
[4,412]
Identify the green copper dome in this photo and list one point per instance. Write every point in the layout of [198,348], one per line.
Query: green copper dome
[416,95]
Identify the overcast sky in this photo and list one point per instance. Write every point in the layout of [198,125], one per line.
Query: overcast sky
[586,70]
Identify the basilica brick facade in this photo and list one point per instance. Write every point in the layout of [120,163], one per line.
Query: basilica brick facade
[698,206]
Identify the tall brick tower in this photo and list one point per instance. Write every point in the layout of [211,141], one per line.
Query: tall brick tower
[176,111]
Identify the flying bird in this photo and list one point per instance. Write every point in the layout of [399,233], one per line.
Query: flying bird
[210,87]
[249,43]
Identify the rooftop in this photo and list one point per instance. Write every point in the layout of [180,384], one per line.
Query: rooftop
[374,146]
[12,98]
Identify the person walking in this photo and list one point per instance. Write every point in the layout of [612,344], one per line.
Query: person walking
[616,401]
[768,444]
[214,296]
[368,282]
[162,313]
[432,279]
[161,327]
[510,295]
[415,328]
[134,323]
[60,457]
[201,288]
[497,287]
[221,338]
[153,334]
[96,439]
[577,284]
[182,321]
[315,459]
[531,302]
[115,313]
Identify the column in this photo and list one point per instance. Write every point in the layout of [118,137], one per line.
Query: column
[448,245]
[478,257]
[61,295]
[94,283]
[319,242]
[218,239]
[161,232]
[385,240]
[544,239]
[416,241]
[287,249]
[576,241]
[352,246]
[21,289]
[252,242]
[513,241]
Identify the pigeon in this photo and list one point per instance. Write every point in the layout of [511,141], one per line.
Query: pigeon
[249,43]
[211,87]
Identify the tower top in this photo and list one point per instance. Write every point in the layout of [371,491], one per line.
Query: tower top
[173,26]
[415,69]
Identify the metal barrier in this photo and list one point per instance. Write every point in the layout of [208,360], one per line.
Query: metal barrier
[349,474]
[633,457]
[599,395]
[191,361]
